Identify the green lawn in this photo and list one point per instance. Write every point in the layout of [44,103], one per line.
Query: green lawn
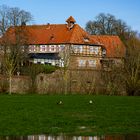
[40,114]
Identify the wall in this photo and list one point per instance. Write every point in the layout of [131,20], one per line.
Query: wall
[75,62]
[20,84]
[78,81]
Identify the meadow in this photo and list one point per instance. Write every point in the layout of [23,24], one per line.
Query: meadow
[76,115]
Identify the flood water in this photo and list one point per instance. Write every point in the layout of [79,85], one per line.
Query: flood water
[64,137]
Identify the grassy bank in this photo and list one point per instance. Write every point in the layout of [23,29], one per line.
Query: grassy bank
[40,114]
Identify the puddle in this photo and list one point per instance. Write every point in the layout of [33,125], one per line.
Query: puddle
[64,137]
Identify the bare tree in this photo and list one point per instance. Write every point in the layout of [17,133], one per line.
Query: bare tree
[131,73]
[14,51]
[14,39]
[125,77]
[107,24]
[65,60]
[4,23]
[12,17]
[18,17]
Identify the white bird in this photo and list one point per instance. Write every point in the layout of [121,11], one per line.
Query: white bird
[90,101]
[60,103]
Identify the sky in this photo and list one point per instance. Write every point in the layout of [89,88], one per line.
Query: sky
[57,11]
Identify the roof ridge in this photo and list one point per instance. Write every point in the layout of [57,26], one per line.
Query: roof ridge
[72,34]
[105,35]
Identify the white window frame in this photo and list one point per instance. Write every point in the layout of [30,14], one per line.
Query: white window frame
[32,48]
[92,63]
[82,63]
[54,48]
[80,48]
[43,48]
[61,47]
[94,49]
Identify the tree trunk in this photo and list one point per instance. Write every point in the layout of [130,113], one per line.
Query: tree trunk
[10,84]
[65,82]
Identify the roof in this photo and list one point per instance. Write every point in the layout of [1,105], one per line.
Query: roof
[113,45]
[54,34]
[61,34]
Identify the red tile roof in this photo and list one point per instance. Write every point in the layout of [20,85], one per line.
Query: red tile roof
[61,34]
[113,45]
[55,34]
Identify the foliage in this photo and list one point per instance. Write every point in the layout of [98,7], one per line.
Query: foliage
[36,69]
[40,114]
[49,69]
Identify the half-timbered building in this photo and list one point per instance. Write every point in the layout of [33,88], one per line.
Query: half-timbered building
[70,45]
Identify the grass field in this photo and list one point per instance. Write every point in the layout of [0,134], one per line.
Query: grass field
[40,114]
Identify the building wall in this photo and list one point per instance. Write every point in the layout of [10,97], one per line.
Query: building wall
[46,48]
[84,62]
[88,50]
[76,56]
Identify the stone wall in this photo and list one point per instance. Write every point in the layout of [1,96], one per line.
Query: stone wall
[20,84]
[74,81]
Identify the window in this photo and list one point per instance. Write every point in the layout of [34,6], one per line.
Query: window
[42,61]
[92,63]
[94,49]
[52,48]
[42,48]
[82,63]
[32,48]
[77,48]
[80,49]
[35,61]
[104,52]
[86,39]
[62,47]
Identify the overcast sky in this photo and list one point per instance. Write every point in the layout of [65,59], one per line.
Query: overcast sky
[57,11]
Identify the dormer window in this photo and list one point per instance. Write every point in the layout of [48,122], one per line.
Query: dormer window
[52,37]
[86,39]
[104,52]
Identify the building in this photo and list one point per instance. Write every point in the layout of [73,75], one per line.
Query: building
[70,45]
